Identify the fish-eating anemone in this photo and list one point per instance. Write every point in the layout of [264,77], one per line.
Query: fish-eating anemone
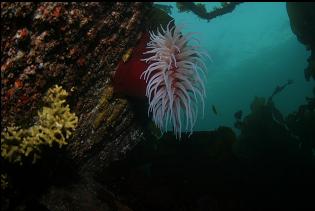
[173,73]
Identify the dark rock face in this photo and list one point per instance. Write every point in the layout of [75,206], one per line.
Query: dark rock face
[302,20]
[77,46]
[73,44]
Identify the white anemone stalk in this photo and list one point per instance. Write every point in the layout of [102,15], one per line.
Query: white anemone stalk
[175,79]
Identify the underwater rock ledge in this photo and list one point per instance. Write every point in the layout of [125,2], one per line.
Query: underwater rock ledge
[302,21]
[76,46]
